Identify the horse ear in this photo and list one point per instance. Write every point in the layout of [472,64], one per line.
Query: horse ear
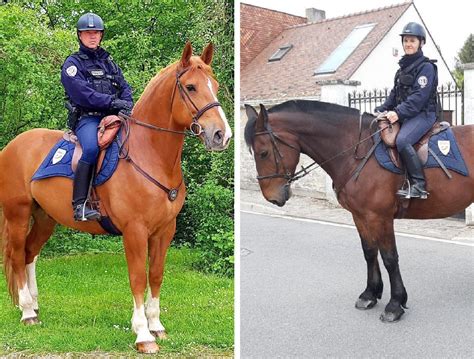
[187,53]
[262,119]
[207,54]
[251,113]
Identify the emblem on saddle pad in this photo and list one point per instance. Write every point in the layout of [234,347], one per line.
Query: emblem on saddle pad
[444,147]
[58,155]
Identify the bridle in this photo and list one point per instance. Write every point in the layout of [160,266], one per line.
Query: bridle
[314,165]
[195,129]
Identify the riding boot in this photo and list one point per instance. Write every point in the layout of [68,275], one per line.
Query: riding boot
[417,188]
[82,180]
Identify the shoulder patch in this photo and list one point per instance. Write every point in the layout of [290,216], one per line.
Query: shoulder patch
[71,70]
[422,81]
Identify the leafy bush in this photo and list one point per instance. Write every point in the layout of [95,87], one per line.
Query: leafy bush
[211,207]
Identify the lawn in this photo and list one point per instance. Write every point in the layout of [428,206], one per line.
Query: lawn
[86,307]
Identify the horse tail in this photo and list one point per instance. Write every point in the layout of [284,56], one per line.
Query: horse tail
[5,258]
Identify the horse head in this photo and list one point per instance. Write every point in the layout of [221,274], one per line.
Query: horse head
[276,152]
[198,108]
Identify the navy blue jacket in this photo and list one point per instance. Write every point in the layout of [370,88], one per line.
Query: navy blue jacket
[92,80]
[421,94]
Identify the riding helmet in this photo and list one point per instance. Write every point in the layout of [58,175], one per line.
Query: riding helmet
[414,29]
[90,21]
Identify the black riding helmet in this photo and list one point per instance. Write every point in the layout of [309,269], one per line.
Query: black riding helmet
[414,29]
[90,21]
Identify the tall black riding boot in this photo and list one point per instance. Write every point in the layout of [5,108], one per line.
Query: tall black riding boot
[414,168]
[82,180]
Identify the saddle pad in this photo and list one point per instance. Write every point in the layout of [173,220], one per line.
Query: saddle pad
[442,144]
[58,163]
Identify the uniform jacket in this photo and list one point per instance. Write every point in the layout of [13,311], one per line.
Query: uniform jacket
[409,101]
[92,80]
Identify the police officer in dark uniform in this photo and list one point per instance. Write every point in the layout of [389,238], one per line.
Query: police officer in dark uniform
[95,87]
[413,102]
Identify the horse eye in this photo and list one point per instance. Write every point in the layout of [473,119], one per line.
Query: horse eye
[190,87]
[263,154]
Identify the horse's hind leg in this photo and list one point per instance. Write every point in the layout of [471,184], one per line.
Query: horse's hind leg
[158,247]
[41,231]
[17,216]
[374,288]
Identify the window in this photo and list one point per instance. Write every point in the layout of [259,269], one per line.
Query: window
[282,51]
[342,52]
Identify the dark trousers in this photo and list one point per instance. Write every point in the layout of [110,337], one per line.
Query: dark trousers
[413,129]
[86,132]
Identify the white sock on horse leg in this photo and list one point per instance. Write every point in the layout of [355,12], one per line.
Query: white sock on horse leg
[152,312]
[26,303]
[140,325]
[31,280]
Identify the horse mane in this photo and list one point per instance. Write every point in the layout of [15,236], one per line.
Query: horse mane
[299,106]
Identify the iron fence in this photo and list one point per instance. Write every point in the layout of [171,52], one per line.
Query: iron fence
[450,96]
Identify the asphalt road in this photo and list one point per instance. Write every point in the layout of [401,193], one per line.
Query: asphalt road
[300,280]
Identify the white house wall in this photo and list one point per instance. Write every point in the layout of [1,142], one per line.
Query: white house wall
[378,70]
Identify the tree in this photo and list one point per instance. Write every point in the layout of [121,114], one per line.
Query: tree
[465,55]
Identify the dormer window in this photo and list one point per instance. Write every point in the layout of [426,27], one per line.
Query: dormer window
[282,51]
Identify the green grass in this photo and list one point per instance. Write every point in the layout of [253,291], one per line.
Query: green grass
[86,307]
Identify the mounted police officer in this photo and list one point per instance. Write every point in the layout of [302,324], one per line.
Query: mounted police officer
[95,87]
[413,102]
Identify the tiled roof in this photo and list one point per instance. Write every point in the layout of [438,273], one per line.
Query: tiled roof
[293,76]
[258,27]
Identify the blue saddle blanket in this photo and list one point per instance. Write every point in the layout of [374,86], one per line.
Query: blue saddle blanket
[58,163]
[443,144]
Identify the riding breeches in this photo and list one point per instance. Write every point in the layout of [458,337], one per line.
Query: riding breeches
[86,132]
[413,129]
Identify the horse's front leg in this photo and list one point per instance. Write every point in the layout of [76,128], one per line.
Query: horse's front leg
[383,229]
[135,238]
[158,245]
[374,289]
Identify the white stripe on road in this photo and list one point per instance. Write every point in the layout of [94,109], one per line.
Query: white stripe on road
[308,220]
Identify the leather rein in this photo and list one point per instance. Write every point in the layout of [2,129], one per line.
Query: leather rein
[314,165]
[195,130]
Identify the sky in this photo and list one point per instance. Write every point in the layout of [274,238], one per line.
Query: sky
[449,22]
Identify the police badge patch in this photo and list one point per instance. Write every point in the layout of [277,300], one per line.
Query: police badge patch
[71,70]
[422,81]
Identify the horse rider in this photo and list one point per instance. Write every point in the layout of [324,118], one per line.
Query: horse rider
[95,87]
[413,103]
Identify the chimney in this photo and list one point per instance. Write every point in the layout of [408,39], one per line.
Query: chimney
[313,15]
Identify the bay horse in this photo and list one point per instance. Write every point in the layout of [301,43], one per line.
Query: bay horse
[329,134]
[181,96]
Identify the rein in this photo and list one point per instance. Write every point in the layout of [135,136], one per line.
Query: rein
[314,165]
[195,130]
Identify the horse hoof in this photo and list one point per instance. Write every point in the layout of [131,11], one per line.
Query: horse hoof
[160,334]
[31,321]
[390,317]
[364,304]
[147,347]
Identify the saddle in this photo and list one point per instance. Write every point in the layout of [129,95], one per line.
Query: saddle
[107,131]
[389,136]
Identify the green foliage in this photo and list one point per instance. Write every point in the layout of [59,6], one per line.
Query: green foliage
[465,55]
[86,306]
[211,209]
[143,37]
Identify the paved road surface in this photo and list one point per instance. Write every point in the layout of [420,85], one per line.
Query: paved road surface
[300,280]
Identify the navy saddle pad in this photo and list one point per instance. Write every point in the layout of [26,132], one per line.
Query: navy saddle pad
[59,163]
[442,144]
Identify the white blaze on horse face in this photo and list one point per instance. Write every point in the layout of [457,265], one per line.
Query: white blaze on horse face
[228,131]
[26,303]
[152,312]
[31,280]
[140,325]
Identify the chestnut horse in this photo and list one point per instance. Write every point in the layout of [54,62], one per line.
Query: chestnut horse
[182,95]
[329,134]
